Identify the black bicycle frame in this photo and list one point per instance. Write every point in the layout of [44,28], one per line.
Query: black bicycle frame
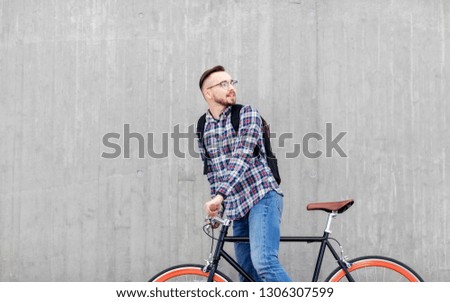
[325,243]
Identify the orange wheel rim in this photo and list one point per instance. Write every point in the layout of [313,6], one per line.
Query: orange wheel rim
[187,271]
[378,263]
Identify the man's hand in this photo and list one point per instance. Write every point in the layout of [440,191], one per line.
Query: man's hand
[212,207]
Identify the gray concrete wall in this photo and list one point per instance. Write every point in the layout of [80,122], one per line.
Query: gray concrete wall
[73,71]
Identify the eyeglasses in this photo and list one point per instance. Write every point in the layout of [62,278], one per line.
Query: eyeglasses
[225,84]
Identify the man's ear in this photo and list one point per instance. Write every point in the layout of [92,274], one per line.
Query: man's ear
[207,94]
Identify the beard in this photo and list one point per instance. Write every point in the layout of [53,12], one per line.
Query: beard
[230,99]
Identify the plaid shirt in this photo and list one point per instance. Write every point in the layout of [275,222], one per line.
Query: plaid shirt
[232,170]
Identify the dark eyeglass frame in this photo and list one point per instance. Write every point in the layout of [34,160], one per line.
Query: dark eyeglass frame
[225,84]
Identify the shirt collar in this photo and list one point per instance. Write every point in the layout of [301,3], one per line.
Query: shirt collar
[224,113]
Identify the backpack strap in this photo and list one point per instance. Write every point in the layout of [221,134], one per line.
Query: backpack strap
[235,116]
[266,139]
[235,119]
[200,134]
[270,157]
[201,126]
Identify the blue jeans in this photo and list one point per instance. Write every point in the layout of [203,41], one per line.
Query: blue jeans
[259,258]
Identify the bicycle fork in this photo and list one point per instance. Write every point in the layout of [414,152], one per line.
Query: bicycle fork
[213,265]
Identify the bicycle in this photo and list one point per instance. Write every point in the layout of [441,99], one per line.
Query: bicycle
[366,268]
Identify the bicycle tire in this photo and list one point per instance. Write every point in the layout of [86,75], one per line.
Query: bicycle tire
[187,273]
[376,269]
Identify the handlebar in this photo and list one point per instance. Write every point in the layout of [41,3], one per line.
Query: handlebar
[217,219]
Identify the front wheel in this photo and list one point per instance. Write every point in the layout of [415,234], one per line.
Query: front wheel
[187,273]
[376,269]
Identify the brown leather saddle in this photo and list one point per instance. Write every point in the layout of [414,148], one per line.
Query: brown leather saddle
[333,206]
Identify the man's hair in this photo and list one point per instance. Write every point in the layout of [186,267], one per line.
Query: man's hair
[208,72]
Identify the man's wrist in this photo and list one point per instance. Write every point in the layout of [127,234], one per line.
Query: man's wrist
[221,194]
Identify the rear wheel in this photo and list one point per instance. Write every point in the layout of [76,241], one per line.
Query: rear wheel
[187,273]
[376,269]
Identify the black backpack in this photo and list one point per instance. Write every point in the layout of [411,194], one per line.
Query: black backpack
[235,117]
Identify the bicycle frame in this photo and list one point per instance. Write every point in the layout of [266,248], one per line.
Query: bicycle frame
[367,268]
[325,243]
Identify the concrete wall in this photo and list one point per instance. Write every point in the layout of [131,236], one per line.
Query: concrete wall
[73,71]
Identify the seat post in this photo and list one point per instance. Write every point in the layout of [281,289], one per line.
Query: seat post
[331,216]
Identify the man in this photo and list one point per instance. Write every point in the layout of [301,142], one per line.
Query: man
[251,195]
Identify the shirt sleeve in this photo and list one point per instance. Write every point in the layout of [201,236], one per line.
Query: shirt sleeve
[249,133]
